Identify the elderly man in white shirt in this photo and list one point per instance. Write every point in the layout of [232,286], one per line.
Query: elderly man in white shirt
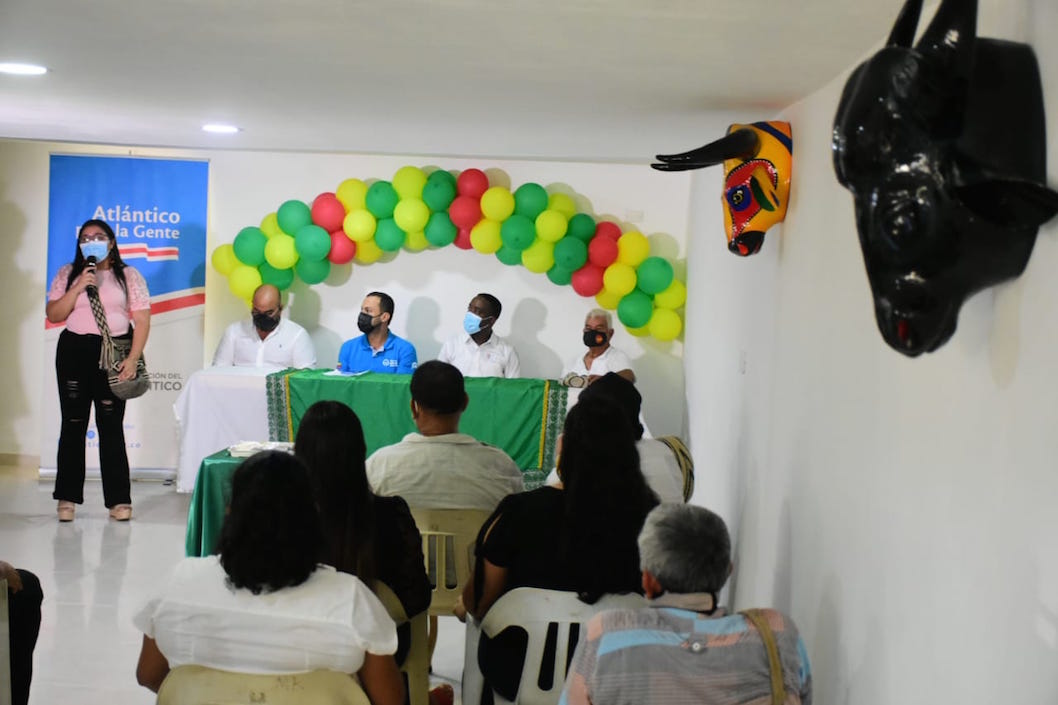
[478,351]
[438,467]
[267,340]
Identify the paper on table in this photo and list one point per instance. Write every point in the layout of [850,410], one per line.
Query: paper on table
[244,449]
[342,373]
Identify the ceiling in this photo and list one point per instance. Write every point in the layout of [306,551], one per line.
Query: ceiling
[563,79]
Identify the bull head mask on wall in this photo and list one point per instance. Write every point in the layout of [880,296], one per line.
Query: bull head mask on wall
[757,160]
[943,148]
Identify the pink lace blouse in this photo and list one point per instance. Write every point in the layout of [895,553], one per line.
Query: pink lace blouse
[118,307]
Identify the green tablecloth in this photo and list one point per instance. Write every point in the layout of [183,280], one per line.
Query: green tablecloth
[521,416]
[209,502]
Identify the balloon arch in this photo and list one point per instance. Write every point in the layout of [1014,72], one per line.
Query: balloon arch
[544,233]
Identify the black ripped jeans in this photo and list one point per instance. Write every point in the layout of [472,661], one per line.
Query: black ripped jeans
[82,384]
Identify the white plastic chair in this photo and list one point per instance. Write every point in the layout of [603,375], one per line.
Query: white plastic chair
[5,647]
[198,685]
[536,610]
[416,666]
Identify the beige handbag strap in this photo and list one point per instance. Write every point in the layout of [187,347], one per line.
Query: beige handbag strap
[778,691]
[684,460]
[106,352]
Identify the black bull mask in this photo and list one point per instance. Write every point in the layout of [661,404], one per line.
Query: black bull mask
[943,147]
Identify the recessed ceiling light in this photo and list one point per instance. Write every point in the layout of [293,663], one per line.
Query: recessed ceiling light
[220,128]
[17,69]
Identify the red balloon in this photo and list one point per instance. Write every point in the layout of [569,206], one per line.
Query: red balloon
[608,229]
[472,182]
[602,251]
[462,240]
[465,211]
[328,212]
[587,281]
[342,248]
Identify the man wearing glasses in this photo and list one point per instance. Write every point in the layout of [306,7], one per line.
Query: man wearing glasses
[267,339]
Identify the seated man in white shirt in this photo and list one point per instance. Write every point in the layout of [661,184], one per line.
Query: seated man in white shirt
[438,467]
[601,357]
[267,340]
[478,351]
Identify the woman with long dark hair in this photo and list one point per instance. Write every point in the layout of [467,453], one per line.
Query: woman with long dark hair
[126,302]
[371,537]
[264,604]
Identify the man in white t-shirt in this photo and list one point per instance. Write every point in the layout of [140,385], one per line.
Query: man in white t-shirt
[267,339]
[600,358]
[478,351]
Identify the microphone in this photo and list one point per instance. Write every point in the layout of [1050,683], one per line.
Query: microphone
[90,263]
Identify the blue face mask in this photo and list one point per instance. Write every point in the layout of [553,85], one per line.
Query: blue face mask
[471,323]
[95,248]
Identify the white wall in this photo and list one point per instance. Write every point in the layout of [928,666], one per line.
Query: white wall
[901,510]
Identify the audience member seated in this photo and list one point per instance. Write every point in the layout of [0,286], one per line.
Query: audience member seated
[24,597]
[681,649]
[267,339]
[371,537]
[264,604]
[438,467]
[656,459]
[601,357]
[579,538]
[378,349]
[478,351]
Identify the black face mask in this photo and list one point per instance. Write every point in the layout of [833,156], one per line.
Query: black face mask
[262,321]
[595,338]
[364,323]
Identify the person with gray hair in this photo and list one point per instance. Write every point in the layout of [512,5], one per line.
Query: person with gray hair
[682,648]
[601,357]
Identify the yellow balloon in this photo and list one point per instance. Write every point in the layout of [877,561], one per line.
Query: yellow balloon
[270,225]
[280,252]
[497,203]
[673,297]
[551,225]
[619,279]
[243,280]
[563,204]
[411,215]
[352,193]
[607,300]
[665,324]
[416,242]
[367,251]
[632,248]
[485,236]
[641,332]
[539,257]
[224,259]
[359,225]
[408,182]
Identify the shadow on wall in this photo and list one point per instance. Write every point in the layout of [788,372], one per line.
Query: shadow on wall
[17,308]
[537,358]
[303,306]
[424,317]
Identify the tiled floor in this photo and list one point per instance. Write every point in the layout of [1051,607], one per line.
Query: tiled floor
[96,573]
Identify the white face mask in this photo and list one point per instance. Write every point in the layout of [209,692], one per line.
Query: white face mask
[95,248]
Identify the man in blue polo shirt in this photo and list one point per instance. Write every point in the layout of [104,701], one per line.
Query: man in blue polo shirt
[377,350]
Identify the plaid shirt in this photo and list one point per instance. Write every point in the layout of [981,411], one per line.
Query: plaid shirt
[671,655]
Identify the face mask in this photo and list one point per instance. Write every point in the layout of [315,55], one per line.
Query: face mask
[472,323]
[594,338]
[95,248]
[364,323]
[262,321]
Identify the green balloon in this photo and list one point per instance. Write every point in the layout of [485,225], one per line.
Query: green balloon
[509,255]
[439,193]
[654,275]
[440,230]
[530,200]
[635,309]
[388,235]
[558,275]
[581,226]
[280,278]
[442,175]
[570,253]
[312,242]
[313,271]
[517,232]
[381,199]
[293,216]
[249,246]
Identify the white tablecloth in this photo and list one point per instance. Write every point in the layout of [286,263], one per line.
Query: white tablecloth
[219,407]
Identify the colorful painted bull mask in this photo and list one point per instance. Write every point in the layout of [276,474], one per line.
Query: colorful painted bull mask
[757,161]
[943,148]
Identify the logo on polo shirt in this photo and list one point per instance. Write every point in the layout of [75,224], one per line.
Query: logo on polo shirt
[389,363]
